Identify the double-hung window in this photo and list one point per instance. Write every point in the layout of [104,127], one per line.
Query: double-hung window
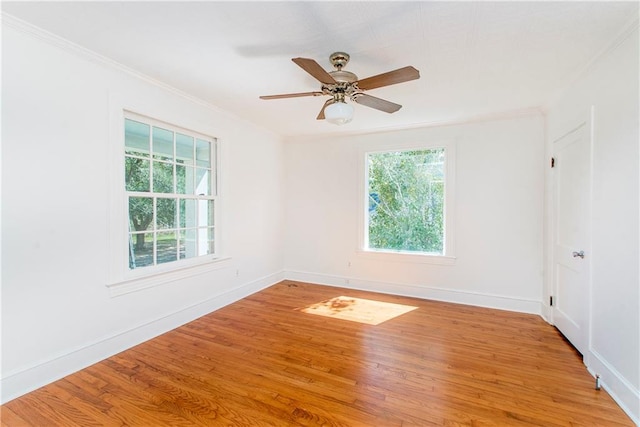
[171,188]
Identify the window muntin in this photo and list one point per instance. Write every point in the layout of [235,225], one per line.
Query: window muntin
[170,190]
[405,193]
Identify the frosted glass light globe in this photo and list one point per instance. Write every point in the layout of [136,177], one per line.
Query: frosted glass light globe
[338,113]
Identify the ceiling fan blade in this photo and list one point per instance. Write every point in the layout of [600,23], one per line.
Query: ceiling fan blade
[377,103]
[313,68]
[326,104]
[291,95]
[400,75]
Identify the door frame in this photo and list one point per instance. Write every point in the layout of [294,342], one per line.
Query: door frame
[586,119]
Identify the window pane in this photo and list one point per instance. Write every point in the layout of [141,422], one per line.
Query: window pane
[180,179]
[406,201]
[136,138]
[166,247]
[211,239]
[140,213]
[162,177]
[188,244]
[166,213]
[202,182]
[136,174]
[203,153]
[205,241]
[140,250]
[184,179]
[188,213]
[184,149]
[205,213]
[162,144]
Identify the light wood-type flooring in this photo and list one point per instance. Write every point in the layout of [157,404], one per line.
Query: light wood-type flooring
[261,362]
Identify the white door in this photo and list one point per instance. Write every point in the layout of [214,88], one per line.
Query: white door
[572,239]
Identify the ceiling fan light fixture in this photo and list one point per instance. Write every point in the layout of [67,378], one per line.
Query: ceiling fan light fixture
[338,113]
[341,84]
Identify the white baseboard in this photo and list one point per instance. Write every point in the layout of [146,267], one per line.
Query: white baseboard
[15,384]
[520,305]
[621,390]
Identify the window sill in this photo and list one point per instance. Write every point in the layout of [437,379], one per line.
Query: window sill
[159,278]
[405,257]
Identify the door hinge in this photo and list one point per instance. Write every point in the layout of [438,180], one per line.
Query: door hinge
[553,162]
[550,301]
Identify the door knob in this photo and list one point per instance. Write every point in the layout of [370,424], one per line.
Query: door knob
[578,254]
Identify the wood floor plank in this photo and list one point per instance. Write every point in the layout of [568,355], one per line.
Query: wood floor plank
[263,362]
[10,418]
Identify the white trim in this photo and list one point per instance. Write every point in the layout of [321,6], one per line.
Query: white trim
[500,302]
[620,390]
[148,281]
[17,383]
[407,257]
[547,229]
[590,128]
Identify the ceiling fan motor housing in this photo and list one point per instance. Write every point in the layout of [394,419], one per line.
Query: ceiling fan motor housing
[343,76]
[345,80]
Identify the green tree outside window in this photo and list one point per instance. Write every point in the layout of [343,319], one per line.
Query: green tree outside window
[406,201]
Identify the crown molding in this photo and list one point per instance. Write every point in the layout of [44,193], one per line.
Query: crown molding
[622,35]
[489,117]
[87,54]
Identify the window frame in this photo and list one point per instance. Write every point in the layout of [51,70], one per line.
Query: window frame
[120,278]
[448,256]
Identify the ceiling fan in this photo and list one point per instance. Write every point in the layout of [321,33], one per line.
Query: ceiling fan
[340,85]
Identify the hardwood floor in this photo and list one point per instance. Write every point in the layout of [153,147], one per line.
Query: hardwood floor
[261,362]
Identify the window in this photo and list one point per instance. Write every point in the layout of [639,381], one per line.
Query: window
[406,208]
[170,188]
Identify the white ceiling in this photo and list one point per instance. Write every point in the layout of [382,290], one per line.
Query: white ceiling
[475,58]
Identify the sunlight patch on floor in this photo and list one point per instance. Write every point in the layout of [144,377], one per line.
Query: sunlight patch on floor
[358,310]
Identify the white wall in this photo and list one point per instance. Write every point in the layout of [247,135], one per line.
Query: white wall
[58,316]
[498,215]
[57,313]
[611,87]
